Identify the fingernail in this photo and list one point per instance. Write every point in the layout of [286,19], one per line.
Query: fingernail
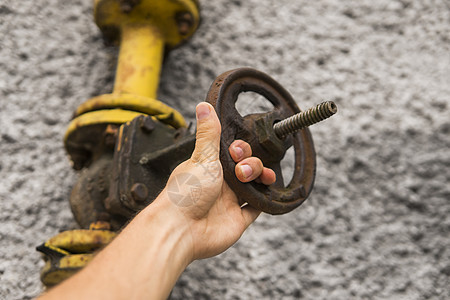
[238,152]
[246,171]
[202,111]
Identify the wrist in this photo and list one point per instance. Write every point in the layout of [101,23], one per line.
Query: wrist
[169,226]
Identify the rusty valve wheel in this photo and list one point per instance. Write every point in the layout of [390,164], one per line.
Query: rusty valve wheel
[268,142]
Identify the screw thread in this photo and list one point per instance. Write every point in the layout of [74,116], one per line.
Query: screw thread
[304,119]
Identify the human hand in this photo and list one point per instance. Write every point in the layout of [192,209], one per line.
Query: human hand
[201,197]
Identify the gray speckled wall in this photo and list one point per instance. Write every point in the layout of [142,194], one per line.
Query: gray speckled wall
[377,223]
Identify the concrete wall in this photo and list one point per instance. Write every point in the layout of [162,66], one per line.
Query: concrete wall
[377,223]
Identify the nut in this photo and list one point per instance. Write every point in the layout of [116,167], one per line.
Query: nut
[184,21]
[147,124]
[139,192]
[268,139]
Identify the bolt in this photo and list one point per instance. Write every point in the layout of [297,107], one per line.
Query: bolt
[304,119]
[127,5]
[185,22]
[147,124]
[139,192]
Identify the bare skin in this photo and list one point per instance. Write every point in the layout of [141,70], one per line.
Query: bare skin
[149,255]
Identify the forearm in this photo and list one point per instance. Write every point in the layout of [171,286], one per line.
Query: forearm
[143,262]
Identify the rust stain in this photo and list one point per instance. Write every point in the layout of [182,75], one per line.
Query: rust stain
[146,70]
[119,143]
[126,71]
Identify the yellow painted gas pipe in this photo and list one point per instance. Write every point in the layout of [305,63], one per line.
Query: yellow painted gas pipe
[69,251]
[144,28]
[140,60]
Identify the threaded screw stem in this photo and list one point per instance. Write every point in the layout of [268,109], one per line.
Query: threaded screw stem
[304,119]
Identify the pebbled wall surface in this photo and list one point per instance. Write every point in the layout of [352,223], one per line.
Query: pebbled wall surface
[377,224]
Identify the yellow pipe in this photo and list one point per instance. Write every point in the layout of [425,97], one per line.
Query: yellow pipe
[136,103]
[145,28]
[140,59]
[112,116]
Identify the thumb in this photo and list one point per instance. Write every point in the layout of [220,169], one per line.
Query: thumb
[207,142]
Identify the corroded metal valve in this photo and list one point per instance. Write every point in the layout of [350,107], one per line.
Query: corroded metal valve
[144,30]
[270,135]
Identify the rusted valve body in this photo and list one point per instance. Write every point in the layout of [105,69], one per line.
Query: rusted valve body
[144,29]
